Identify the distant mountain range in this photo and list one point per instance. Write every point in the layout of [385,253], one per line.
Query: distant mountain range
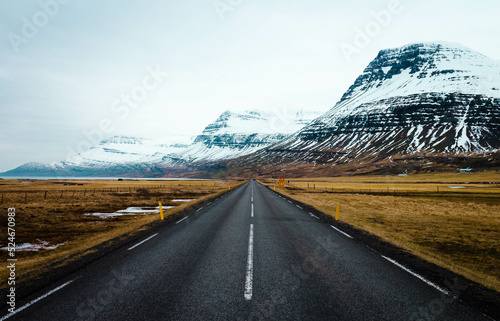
[422,107]
[425,105]
[231,135]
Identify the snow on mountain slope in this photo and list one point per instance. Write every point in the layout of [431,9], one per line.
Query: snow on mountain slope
[118,155]
[427,98]
[419,69]
[127,150]
[232,135]
[239,133]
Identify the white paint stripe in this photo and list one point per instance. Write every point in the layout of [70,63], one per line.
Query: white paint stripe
[290,202]
[313,215]
[5,317]
[249,278]
[181,220]
[252,199]
[149,238]
[299,207]
[209,203]
[252,210]
[199,209]
[418,276]
[341,232]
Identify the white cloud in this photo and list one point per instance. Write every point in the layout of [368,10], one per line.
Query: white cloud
[269,54]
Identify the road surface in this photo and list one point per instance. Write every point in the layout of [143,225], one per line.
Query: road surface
[249,255]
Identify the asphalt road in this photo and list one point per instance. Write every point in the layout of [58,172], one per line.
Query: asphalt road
[249,255]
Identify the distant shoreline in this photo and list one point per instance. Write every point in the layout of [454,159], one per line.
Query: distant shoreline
[43,178]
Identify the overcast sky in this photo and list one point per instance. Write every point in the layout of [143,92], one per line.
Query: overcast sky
[161,68]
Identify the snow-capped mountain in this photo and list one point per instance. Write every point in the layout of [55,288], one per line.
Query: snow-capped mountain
[233,134]
[239,133]
[131,150]
[118,155]
[420,99]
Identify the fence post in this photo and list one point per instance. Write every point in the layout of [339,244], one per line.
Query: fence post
[85,192]
[25,197]
[473,196]
[45,196]
[62,193]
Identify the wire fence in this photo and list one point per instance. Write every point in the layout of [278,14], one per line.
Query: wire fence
[51,194]
[488,196]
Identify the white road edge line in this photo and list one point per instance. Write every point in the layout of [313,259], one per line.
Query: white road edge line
[149,238]
[313,215]
[209,203]
[341,232]
[299,207]
[199,209]
[181,220]
[36,300]
[418,276]
[290,202]
[249,277]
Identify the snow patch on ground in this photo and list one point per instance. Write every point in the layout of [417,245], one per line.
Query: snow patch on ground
[41,245]
[130,211]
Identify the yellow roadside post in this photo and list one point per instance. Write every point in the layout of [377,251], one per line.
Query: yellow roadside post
[161,211]
[229,187]
[275,188]
[337,212]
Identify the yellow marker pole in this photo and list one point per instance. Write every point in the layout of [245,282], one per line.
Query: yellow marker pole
[275,188]
[161,211]
[229,187]
[337,212]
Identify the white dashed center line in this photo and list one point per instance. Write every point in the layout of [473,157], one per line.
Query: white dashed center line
[249,277]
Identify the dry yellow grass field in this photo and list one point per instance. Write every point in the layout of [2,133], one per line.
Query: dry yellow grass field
[458,235]
[57,219]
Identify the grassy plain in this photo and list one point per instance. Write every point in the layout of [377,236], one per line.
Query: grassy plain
[53,211]
[461,233]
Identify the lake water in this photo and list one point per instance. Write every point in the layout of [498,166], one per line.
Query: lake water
[102,178]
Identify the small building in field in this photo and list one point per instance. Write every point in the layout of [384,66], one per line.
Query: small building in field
[466,170]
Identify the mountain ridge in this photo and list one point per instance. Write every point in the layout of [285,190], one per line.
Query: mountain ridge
[233,134]
[407,103]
